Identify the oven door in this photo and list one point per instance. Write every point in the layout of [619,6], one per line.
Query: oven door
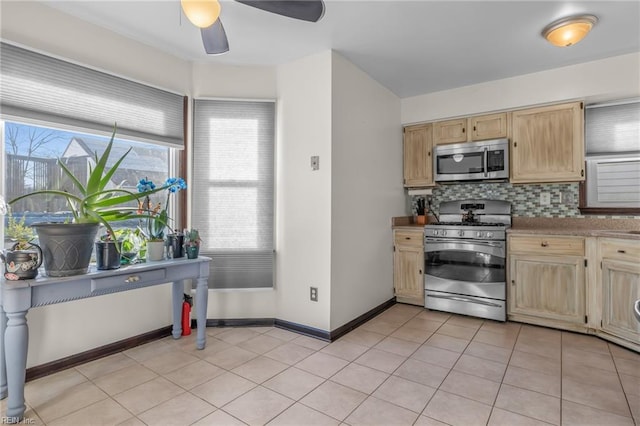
[465,267]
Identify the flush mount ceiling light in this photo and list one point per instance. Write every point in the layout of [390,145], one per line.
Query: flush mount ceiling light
[201,13]
[570,30]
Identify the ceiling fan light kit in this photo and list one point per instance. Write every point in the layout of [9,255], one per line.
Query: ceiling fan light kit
[201,13]
[568,31]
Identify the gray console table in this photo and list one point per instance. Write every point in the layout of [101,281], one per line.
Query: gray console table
[17,297]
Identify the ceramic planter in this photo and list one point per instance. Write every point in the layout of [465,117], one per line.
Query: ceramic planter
[107,255]
[155,251]
[175,246]
[192,251]
[21,264]
[66,247]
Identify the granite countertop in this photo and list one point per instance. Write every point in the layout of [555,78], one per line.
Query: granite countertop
[583,227]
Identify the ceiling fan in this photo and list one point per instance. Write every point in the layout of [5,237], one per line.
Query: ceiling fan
[205,14]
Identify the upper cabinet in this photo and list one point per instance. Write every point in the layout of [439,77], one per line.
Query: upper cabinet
[418,163]
[450,131]
[477,128]
[547,144]
[492,126]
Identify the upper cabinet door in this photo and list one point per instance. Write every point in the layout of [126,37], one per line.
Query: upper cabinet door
[492,126]
[548,144]
[418,163]
[450,131]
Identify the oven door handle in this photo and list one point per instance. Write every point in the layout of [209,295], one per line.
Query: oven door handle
[486,161]
[498,244]
[465,299]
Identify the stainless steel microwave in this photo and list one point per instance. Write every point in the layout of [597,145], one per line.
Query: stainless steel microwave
[484,160]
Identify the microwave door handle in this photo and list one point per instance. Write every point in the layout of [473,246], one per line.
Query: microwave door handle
[486,162]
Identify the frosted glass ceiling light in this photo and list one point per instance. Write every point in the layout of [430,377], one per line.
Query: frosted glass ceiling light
[570,30]
[201,13]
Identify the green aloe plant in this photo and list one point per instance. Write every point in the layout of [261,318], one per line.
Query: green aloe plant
[97,203]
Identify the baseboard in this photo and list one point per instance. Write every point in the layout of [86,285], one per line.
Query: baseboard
[93,354]
[122,345]
[341,331]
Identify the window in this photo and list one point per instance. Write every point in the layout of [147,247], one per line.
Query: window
[31,153]
[233,190]
[612,136]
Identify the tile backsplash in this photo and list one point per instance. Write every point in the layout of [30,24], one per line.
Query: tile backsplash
[525,199]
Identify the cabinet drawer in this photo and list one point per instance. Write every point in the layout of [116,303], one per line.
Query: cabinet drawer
[620,249]
[123,280]
[408,238]
[545,244]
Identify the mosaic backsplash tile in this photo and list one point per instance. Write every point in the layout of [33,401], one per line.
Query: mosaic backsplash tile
[525,199]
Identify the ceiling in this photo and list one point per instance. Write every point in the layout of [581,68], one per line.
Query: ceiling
[410,47]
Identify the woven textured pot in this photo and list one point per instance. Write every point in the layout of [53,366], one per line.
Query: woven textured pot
[66,247]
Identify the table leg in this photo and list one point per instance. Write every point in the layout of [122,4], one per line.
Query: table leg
[3,365]
[16,340]
[178,296]
[202,300]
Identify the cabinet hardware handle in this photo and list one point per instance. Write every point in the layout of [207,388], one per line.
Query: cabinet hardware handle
[420,271]
[407,238]
[132,279]
[463,130]
[582,173]
[515,144]
[428,154]
[474,128]
[544,244]
[622,251]
[513,282]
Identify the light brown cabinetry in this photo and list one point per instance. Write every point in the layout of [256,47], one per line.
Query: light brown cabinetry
[546,283]
[477,128]
[408,264]
[547,144]
[620,289]
[418,163]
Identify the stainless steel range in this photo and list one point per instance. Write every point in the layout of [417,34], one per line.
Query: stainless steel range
[465,254]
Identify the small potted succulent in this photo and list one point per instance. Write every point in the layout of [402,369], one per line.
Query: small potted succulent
[192,243]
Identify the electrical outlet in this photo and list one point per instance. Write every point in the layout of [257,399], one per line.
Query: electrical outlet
[545,198]
[567,198]
[313,294]
[315,162]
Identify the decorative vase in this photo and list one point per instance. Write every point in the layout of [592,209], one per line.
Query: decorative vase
[21,264]
[107,255]
[192,252]
[155,250]
[66,247]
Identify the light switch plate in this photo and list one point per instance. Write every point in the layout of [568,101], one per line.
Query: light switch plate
[315,162]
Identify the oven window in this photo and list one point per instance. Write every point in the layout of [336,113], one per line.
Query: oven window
[469,266]
[460,163]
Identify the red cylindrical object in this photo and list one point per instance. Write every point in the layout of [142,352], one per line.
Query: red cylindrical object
[186,318]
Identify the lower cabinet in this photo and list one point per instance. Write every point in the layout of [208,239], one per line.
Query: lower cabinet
[408,264]
[548,287]
[620,288]
[546,284]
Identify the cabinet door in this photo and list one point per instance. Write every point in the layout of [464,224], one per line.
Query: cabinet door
[492,126]
[549,287]
[620,290]
[418,163]
[548,144]
[451,131]
[408,262]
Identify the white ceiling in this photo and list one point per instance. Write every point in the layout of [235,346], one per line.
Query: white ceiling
[411,47]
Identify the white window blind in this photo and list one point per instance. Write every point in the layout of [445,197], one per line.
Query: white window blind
[45,89]
[613,181]
[612,128]
[233,190]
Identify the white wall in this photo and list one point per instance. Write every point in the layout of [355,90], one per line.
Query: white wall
[606,79]
[303,199]
[366,190]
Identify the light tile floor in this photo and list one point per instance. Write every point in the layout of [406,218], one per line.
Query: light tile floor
[407,366]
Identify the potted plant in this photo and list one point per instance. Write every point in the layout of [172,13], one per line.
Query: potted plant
[192,243]
[67,247]
[156,218]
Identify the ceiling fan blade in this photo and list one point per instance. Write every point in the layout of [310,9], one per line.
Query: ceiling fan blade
[215,39]
[306,10]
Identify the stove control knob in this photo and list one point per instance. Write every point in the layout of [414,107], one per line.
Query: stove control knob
[480,234]
[489,234]
[461,233]
[443,233]
[434,232]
